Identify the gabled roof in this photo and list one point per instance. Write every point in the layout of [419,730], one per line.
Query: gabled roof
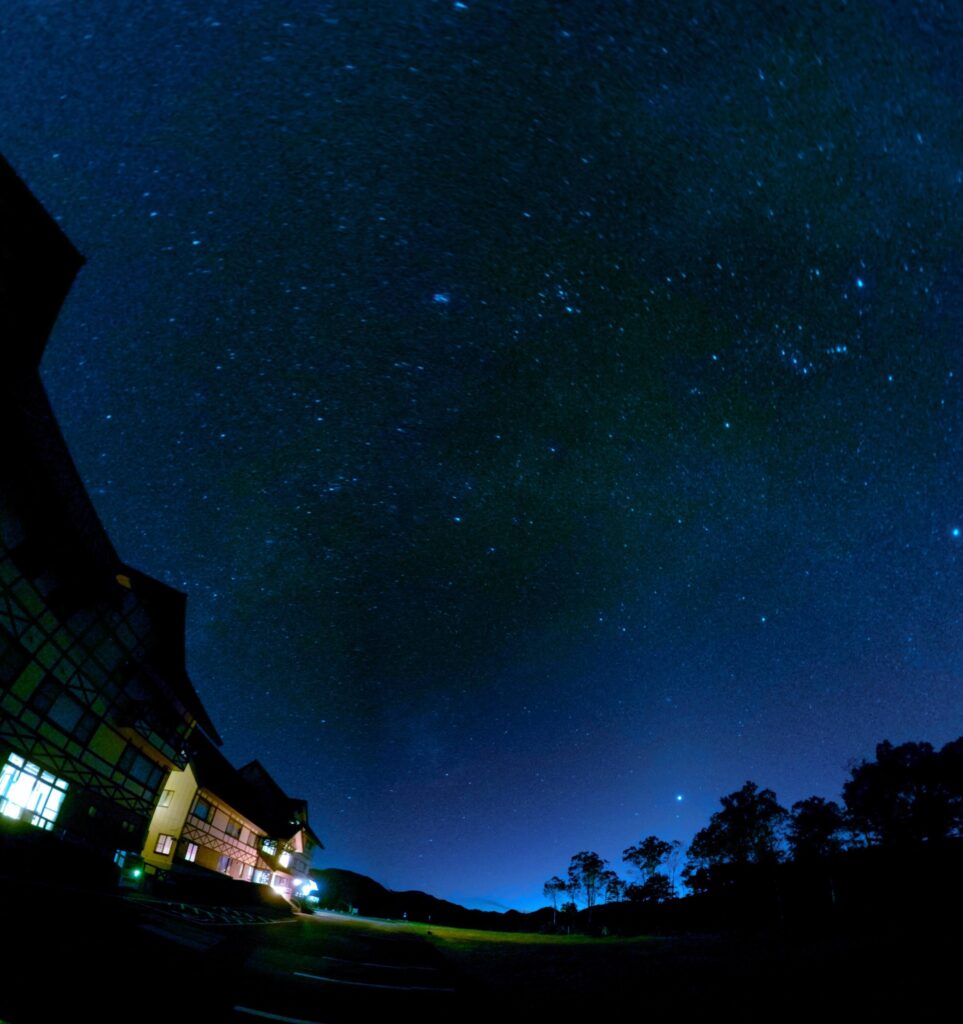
[220,778]
[291,814]
[37,267]
[250,791]
[168,608]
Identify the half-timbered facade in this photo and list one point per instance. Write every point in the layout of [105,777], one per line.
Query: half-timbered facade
[287,851]
[207,816]
[95,704]
[238,822]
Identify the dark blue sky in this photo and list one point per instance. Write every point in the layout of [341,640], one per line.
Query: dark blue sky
[551,411]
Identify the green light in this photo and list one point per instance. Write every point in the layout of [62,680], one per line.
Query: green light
[136,872]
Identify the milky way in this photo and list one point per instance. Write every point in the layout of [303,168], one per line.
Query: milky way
[552,411]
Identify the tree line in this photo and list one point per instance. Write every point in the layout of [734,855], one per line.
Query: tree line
[907,796]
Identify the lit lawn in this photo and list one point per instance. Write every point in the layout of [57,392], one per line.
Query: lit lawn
[445,937]
[518,976]
[511,976]
[510,963]
[469,938]
[542,966]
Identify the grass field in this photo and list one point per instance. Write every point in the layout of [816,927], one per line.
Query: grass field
[515,975]
[503,965]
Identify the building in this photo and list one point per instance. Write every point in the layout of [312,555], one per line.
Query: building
[207,816]
[291,843]
[236,822]
[96,707]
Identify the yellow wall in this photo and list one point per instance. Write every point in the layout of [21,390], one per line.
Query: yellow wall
[212,838]
[170,820]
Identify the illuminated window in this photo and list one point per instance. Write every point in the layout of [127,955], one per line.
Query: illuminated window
[164,844]
[166,797]
[270,847]
[28,793]
[285,859]
[262,877]
[233,828]
[202,810]
[191,852]
[224,863]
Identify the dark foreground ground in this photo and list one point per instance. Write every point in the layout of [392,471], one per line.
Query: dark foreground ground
[78,955]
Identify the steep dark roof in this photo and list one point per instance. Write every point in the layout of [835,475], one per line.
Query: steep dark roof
[290,814]
[168,608]
[37,267]
[219,777]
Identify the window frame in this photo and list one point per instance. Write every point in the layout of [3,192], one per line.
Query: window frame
[164,848]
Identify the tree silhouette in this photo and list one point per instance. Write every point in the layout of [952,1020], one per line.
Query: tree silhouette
[553,890]
[908,794]
[655,889]
[672,862]
[746,831]
[647,856]
[611,886]
[816,829]
[585,873]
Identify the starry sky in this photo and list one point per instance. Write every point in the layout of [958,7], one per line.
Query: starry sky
[552,410]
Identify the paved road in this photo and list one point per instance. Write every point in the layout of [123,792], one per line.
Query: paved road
[122,960]
[318,970]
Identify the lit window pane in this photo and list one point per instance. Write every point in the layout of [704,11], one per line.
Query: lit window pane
[25,788]
[54,800]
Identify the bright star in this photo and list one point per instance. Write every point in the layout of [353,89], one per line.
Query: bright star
[441,297]
[678,798]
[955,532]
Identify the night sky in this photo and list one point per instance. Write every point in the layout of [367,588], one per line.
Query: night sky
[552,410]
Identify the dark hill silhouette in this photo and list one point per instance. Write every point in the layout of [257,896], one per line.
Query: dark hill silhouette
[339,889]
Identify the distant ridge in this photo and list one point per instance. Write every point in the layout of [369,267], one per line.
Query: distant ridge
[339,889]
